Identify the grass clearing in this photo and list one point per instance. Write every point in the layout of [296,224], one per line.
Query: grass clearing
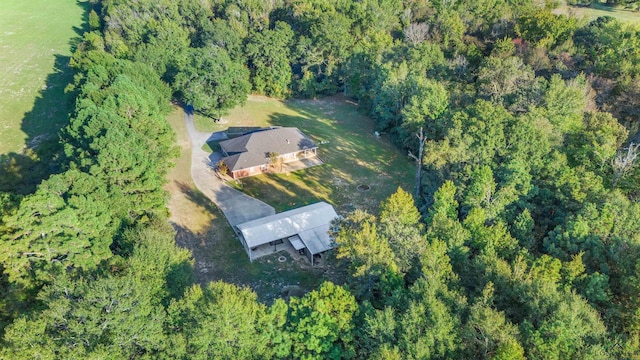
[203,229]
[598,9]
[352,155]
[36,37]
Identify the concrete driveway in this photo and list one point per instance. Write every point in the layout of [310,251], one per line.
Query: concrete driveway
[236,206]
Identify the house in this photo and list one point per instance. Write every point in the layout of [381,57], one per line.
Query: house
[305,228]
[248,155]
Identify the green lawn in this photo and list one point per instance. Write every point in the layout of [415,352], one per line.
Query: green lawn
[351,152]
[598,9]
[35,41]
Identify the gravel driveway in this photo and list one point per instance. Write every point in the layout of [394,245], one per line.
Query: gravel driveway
[236,206]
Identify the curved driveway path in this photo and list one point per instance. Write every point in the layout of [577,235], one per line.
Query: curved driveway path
[236,206]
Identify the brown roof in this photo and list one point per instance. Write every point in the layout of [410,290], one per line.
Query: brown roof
[251,150]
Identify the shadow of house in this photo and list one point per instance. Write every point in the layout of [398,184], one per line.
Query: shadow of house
[235,131]
[217,136]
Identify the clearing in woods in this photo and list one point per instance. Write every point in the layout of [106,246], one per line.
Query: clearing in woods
[218,255]
[354,157]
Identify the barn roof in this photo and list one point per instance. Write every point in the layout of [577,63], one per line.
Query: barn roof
[310,222]
[317,240]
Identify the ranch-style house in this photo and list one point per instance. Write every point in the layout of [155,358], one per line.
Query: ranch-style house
[248,155]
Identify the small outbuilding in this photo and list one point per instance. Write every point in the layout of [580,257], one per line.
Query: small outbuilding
[305,228]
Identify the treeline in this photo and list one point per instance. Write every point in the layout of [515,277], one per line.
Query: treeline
[85,224]
[529,194]
[524,243]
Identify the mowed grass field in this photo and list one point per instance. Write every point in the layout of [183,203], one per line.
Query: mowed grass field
[598,9]
[353,155]
[36,37]
[218,255]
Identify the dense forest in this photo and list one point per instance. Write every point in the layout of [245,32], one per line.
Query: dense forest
[522,242]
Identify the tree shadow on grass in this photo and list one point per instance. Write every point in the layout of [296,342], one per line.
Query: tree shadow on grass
[53,104]
[21,172]
[279,191]
[198,198]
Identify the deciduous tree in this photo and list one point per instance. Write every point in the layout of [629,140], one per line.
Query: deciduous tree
[212,82]
[219,321]
[321,323]
[268,54]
